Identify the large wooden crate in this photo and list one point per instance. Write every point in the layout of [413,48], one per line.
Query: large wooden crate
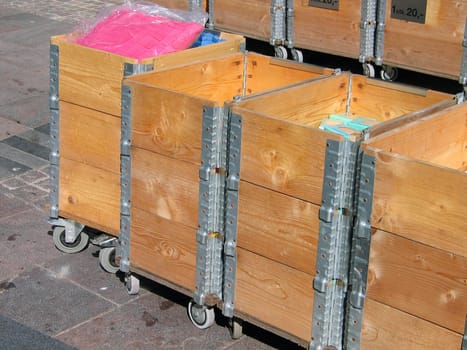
[251,18]
[334,31]
[167,125]
[89,90]
[433,47]
[417,277]
[282,165]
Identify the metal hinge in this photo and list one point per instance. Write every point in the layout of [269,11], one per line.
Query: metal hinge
[212,172]
[54,140]
[379,35]
[463,75]
[360,253]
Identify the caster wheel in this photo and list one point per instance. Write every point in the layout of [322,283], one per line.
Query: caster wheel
[78,245]
[369,70]
[236,328]
[280,52]
[201,316]
[107,260]
[297,55]
[132,285]
[389,73]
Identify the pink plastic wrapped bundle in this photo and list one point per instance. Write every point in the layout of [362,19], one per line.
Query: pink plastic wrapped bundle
[142,31]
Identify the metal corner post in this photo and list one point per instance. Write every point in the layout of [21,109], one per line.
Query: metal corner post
[463,73]
[290,23]
[278,22]
[231,212]
[360,252]
[336,218]
[211,13]
[54,131]
[210,234]
[367,30]
[380,27]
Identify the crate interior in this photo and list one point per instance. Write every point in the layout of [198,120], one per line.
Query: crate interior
[224,78]
[440,139]
[348,95]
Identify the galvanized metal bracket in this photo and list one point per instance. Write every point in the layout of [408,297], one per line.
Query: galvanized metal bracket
[360,252]
[463,75]
[231,212]
[290,24]
[54,140]
[211,12]
[367,30]
[210,234]
[136,68]
[336,218]
[195,3]
[278,22]
[123,247]
[380,27]
[72,228]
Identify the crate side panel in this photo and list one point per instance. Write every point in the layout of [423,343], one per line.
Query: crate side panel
[281,228]
[274,294]
[90,137]
[163,248]
[90,195]
[434,47]
[165,187]
[313,29]
[423,281]
[388,328]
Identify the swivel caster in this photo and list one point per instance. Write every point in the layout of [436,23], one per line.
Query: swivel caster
[297,55]
[236,328]
[368,70]
[280,52]
[80,243]
[132,284]
[201,316]
[107,260]
[389,73]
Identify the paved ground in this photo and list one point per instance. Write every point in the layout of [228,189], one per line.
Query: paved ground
[49,299]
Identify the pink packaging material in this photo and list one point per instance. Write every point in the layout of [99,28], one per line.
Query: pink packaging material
[140,35]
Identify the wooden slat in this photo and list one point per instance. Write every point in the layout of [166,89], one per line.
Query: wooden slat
[306,104]
[163,248]
[274,294]
[217,79]
[90,195]
[434,47]
[293,167]
[440,138]
[420,201]
[278,227]
[165,187]
[89,77]
[423,281]
[251,18]
[90,137]
[267,73]
[385,101]
[387,328]
[324,30]
[167,122]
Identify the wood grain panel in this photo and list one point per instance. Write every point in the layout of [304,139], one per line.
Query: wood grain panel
[423,281]
[164,248]
[89,195]
[294,167]
[325,30]
[90,137]
[281,228]
[434,47]
[387,328]
[165,187]
[274,294]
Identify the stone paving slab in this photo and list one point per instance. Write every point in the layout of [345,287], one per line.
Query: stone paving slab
[21,157]
[10,127]
[9,168]
[30,111]
[28,146]
[36,136]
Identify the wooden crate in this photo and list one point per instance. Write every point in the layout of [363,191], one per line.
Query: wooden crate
[282,164]
[417,276]
[434,47]
[90,125]
[325,30]
[167,113]
[178,4]
[251,18]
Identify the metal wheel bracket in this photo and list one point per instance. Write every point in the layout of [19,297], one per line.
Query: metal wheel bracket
[72,228]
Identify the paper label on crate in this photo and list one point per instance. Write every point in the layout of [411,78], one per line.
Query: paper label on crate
[409,10]
[325,4]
